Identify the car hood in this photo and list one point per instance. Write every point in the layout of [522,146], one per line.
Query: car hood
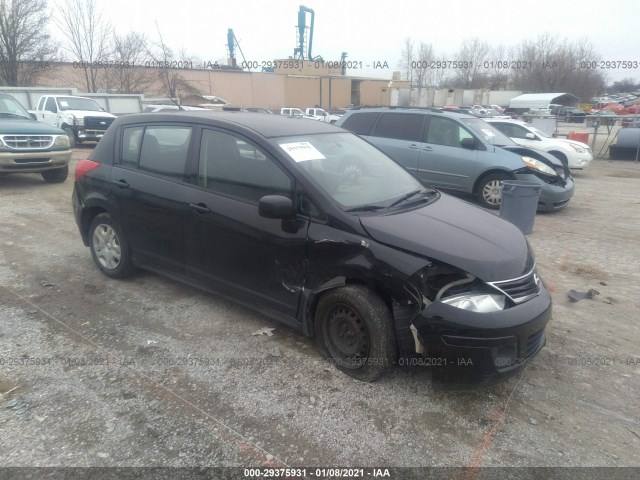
[17,126]
[87,113]
[536,153]
[457,233]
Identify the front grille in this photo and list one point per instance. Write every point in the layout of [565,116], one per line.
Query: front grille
[534,342]
[28,142]
[97,123]
[520,289]
[30,160]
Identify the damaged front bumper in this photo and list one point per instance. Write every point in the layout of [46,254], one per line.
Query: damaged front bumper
[465,347]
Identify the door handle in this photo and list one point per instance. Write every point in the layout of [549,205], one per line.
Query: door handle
[121,183]
[413,146]
[427,149]
[200,207]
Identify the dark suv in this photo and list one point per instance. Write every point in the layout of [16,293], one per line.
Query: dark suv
[311,225]
[28,146]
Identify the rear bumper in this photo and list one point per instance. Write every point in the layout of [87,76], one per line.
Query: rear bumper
[552,197]
[33,162]
[479,348]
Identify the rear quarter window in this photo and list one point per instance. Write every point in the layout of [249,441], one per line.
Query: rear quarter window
[361,123]
[400,126]
[156,149]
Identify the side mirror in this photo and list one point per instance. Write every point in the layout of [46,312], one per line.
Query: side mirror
[468,143]
[530,136]
[275,206]
[33,115]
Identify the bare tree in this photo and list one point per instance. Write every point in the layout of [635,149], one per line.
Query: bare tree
[407,59]
[25,46]
[472,56]
[173,83]
[556,66]
[87,38]
[129,74]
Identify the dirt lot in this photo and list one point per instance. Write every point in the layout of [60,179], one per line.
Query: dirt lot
[125,380]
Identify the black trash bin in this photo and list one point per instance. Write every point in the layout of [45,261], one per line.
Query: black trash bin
[520,203]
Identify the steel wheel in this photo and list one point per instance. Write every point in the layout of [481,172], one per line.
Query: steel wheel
[348,336]
[106,246]
[354,330]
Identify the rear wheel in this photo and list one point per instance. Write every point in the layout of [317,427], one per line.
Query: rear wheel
[109,247]
[354,331]
[57,175]
[489,191]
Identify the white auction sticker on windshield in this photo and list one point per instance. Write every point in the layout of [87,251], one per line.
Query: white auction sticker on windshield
[63,103]
[488,133]
[302,151]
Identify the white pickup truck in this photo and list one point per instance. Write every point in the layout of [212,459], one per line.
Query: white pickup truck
[81,118]
[322,115]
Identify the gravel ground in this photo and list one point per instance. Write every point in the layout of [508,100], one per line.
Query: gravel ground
[125,380]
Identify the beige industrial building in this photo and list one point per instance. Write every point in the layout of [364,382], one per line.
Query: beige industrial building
[307,86]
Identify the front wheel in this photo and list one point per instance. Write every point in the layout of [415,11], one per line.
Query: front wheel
[354,331]
[489,191]
[57,175]
[72,137]
[109,247]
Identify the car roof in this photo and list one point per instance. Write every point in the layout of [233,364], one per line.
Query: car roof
[505,120]
[415,110]
[265,125]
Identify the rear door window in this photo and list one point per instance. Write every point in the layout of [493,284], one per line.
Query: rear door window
[156,149]
[51,105]
[400,126]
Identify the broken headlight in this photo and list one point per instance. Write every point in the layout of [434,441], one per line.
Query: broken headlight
[477,302]
[534,164]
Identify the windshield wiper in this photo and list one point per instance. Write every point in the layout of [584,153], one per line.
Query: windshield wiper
[406,197]
[366,208]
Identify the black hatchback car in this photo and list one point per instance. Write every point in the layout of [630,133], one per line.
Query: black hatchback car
[313,226]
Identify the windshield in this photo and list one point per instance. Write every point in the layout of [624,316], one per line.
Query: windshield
[77,103]
[488,132]
[540,133]
[10,105]
[350,170]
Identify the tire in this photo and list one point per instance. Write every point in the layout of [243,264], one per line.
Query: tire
[488,191]
[354,331]
[72,137]
[58,175]
[109,248]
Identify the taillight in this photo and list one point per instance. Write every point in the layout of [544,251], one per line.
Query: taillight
[85,166]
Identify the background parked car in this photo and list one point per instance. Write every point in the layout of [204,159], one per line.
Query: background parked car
[576,154]
[258,110]
[569,114]
[170,108]
[461,153]
[28,146]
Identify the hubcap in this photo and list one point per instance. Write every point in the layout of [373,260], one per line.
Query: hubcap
[492,193]
[106,246]
[348,337]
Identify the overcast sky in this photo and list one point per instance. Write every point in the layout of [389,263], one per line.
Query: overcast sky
[375,30]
